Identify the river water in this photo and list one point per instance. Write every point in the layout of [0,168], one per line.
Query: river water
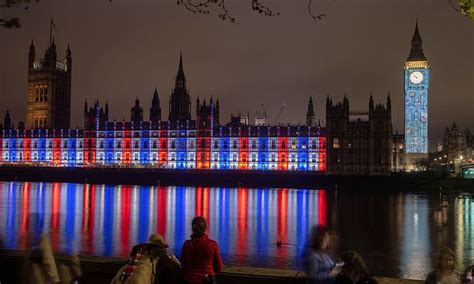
[398,234]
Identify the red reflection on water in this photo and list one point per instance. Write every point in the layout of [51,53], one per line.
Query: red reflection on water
[242,206]
[25,212]
[125,220]
[282,220]
[161,218]
[198,209]
[55,217]
[202,203]
[322,207]
[205,204]
[85,214]
[89,203]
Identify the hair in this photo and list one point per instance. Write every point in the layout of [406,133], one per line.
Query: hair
[445,251]
[199,226]
[353,262]
[469,268]
[318,233]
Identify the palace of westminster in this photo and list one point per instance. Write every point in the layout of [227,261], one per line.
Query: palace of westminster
[350,143]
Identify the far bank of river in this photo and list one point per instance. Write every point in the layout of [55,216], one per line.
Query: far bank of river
[236,178]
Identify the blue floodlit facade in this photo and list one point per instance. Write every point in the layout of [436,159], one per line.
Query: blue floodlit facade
[417,78]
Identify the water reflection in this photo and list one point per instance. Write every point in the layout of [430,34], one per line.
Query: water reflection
[398,234]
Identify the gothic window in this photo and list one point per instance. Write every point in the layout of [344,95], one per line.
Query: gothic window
[273,144]
[335,143]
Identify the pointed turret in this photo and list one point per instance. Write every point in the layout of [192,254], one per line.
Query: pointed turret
[310,118]
[31,55]
[7,122]
[85,107]
[371,102]
[180,101]
[389,103]
[155,110]
[68,59]
[136,113]
[416,51]
[198,105]
[180,78]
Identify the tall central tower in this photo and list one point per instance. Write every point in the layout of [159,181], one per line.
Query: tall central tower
[417,75]
[180,101]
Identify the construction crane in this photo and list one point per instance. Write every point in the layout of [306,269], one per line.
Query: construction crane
[279,113]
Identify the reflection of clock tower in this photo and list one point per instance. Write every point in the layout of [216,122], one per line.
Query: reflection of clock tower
[416,103]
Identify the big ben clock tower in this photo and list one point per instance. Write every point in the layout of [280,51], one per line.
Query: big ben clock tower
[417,75]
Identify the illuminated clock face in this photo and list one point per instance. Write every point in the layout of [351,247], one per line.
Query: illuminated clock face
[416,77]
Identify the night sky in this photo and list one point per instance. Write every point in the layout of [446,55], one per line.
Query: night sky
[125,48]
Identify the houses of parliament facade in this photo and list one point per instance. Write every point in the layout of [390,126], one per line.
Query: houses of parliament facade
[350,143]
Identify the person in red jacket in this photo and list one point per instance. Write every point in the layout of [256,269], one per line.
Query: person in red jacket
[200,256]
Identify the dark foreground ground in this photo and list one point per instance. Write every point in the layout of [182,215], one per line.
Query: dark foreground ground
[102,270]
[234,178]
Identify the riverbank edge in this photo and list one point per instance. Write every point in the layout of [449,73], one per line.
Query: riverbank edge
[234,178]
[103,269]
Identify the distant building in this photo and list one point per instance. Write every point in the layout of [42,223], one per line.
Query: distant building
[417,77]
[310,117]
[49,90]
[180,100]
[398,152]
[458,145]
[260,118]
[358,142]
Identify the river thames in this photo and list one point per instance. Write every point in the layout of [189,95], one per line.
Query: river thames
[398,234]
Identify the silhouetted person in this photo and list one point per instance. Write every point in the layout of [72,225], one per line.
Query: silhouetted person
[445,272]
[318,265]
[468,275]
[353,270]
[200,255]
[69,268]
[146,262]
[41,266]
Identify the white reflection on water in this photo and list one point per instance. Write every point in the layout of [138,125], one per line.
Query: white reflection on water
[415,247]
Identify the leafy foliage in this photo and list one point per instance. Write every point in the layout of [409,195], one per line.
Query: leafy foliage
[467,8]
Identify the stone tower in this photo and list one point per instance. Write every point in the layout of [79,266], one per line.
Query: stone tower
[48,99]
[180,100]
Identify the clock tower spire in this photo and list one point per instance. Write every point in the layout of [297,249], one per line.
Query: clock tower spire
[417,77]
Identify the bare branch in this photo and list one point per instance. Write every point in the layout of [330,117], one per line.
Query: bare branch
[202,7]
[262,9]
[316,18]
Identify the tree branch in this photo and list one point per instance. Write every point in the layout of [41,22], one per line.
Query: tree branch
[316,18]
